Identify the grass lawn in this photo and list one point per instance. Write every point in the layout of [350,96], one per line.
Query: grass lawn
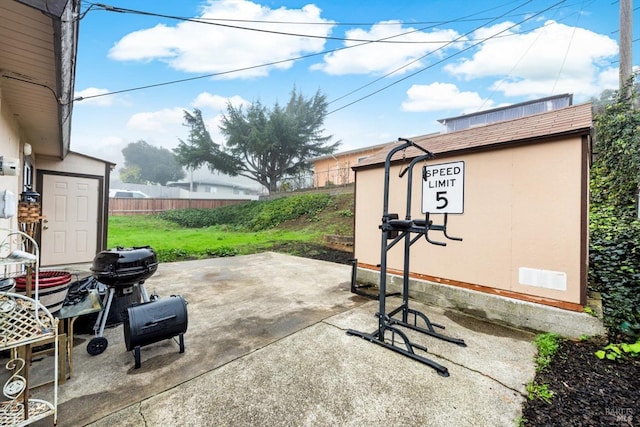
[173,242]
[166,237]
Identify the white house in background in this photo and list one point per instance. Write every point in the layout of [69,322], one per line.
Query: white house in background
[37,75]
[215,189]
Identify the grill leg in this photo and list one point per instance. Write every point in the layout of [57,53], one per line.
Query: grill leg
[101,321]
[143,292]
[181,341]
[136,355]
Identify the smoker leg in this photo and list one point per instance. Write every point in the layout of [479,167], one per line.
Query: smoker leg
[181,340]
[136,355]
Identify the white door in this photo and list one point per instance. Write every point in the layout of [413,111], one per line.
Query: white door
[70,224]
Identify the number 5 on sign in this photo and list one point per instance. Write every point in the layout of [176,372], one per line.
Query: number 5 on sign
[443,188]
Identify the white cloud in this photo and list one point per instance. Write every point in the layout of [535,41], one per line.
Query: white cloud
[156,121]
[90,93]
[217,102]
[443,96]
[382,58]
[609,78]
[201,48]
[554,58]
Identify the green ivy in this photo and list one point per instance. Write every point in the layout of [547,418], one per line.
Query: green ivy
[614,251]
[619,351]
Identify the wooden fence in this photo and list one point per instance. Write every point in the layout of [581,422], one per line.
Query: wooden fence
[152,206]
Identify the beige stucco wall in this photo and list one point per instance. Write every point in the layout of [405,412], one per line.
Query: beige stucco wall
[522,208]
[73,163]
[337,169]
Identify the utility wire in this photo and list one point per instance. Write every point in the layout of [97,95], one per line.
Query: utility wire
[443,60]
[244,68]
[566,53]
[390,21]
[204,76]
[213,21]
[461,37]
[524,53]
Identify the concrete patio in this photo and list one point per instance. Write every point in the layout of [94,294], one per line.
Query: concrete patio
[266,345]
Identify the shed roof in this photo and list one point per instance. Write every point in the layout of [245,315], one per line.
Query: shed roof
[573,120]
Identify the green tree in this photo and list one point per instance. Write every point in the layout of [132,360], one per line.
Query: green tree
[156,165]
[131,174]
[262,144]
[199,149]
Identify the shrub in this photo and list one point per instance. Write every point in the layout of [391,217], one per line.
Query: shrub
[251,216]
[222,251]
[614,269]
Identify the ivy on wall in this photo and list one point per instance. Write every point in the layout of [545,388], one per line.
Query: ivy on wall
[614,252]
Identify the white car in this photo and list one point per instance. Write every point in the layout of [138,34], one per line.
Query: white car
[127,194]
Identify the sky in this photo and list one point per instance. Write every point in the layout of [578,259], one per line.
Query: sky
[388,69]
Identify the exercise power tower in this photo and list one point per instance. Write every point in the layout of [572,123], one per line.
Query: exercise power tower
[442,193]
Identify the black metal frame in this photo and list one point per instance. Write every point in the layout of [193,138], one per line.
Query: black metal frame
[358,289]
[395,229]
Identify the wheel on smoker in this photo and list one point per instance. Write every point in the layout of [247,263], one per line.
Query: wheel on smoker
[97,345]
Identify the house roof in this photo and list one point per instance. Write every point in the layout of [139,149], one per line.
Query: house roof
[37,69]
[564,96]
[213,183]
[573,120]
[347,153]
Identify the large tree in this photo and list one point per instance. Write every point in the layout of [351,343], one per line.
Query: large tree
[155,165]
[262,144]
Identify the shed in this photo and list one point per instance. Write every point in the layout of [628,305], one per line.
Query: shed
[525,219]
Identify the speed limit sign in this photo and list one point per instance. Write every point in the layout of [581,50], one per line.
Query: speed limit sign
[443,188]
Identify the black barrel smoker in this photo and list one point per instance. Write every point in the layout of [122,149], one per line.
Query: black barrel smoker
[153,321]
[122,270]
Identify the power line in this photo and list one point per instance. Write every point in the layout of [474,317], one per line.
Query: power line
[215,22]
[331,51]
[424,56]
[249,67]
[444,59]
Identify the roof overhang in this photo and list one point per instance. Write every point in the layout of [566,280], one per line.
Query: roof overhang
[562,123]
[37,69]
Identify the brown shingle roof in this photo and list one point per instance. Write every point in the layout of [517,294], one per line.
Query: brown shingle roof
[573,120]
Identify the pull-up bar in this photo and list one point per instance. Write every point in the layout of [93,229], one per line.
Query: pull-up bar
[409,230]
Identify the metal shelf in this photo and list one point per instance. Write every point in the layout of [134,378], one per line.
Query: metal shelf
[24,322]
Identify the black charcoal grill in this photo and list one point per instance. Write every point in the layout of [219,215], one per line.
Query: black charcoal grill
[122,270]
[123,267]
[153,321]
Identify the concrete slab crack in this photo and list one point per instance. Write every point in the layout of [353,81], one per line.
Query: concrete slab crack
[142,414]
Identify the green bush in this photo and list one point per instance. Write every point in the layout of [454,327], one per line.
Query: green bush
[277,211]
[172,255]
[251,216]
[222,251]
[235,216]
[614,269]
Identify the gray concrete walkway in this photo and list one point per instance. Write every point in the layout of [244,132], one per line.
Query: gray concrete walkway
[266,345]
